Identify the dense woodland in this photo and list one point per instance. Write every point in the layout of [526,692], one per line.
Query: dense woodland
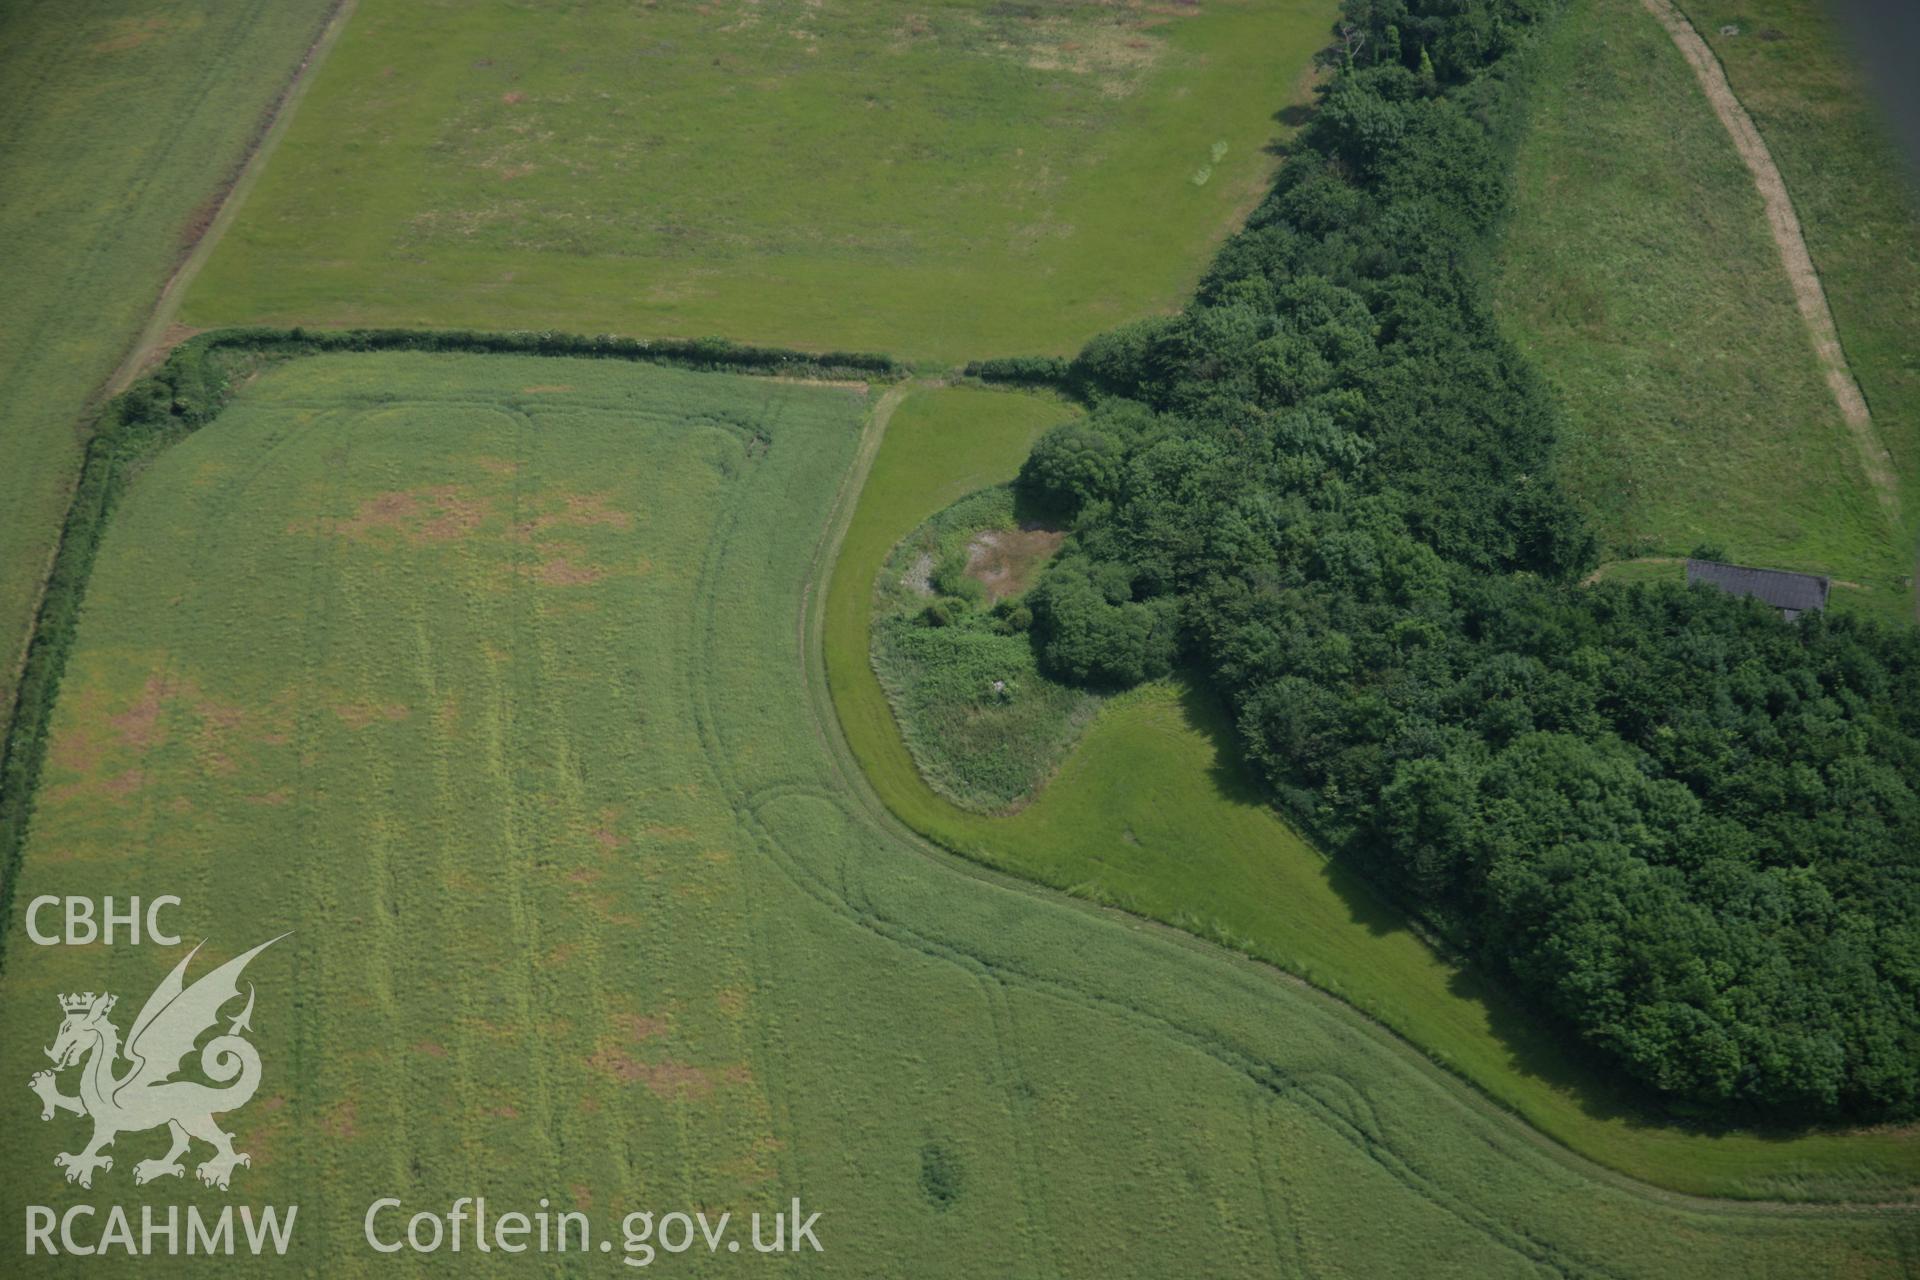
[1684,827]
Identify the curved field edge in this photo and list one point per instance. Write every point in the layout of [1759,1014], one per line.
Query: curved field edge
[1139,1089]
[1156,768]
[179,96]
[187,392]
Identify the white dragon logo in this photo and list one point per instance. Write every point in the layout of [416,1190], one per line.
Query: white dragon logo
[174,1017]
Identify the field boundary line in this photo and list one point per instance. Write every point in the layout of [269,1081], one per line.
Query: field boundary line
[152,344]
[148,344]
[1808,294]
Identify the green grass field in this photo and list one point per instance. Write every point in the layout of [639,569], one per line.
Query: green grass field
[1790,67]
[488,677]
[117,129]
[939,182]
[1152,812]
[1637,271]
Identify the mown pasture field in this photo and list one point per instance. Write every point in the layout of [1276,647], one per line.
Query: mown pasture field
[1151,811]
[936,181]
[1638,271]
[119,125]
[488,677]
[1788,62]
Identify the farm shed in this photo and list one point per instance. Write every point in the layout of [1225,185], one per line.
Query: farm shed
[1791,593]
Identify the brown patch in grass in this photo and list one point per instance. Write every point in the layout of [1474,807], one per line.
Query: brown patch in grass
[678,1081]
[604,835]
[513,97]
[418,516]
[582,1196]
[578,511]
[616,1065]
[431,1049]
[343,1121]
[130,33]
[358,715]
[582,875]
[279,796]
[500,466]
[125,784]
[79,749]
[562,572]
[1004,561]
[139,725]
[639,1027]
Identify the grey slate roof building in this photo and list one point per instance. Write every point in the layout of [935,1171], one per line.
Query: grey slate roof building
[1791,593]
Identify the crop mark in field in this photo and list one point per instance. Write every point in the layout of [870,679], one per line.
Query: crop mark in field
[1784,224]
[760,805]
[131,33]
[440,513]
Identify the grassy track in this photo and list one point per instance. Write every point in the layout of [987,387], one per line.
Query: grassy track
[485,675]
[941,181]
[1790,67]
[119,124]
[1152,812]
[1637,270]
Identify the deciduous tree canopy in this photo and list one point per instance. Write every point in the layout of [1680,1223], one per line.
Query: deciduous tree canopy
[1685,827]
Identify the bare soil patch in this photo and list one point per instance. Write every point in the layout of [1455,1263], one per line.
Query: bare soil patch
[1004,561]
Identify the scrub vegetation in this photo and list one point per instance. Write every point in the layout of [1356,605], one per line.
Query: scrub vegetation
[951,649]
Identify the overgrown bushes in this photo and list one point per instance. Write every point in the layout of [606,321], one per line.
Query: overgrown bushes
[983,725]
[1687,829]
